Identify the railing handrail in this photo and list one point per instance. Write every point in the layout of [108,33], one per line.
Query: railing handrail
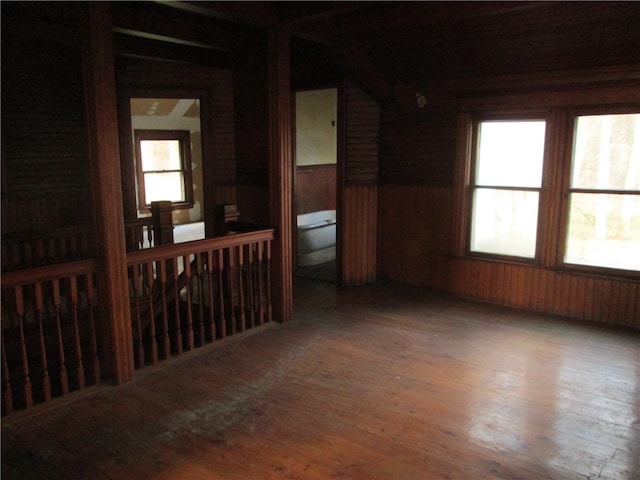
[164,252]
[68,269]
[49,272]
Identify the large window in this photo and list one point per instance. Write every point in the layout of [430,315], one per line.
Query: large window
[164,167]
[507,180]
[560,189]
[603,227]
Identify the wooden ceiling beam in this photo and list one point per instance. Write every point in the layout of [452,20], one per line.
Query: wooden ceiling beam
[152,20]
[151,49]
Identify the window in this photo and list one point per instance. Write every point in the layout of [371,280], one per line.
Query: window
[603,227]
[164,167]
[506,185]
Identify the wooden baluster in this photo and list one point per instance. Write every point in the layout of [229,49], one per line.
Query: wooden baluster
[199,296]
[231,272]
[261,287]
[150,238]
[137,287]
[64,380]
[177,322]
[253,307]
[73,284]
[92,329]
[211,291]
[26,379]
[240,269]
[46,381]
[187,276]
[6,384]
[223,319]
[152,317]
[268,282]
[166,341]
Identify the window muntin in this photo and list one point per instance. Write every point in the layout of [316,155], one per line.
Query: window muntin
[603,226]
[506,187]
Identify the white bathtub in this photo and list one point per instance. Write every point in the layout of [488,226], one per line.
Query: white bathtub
[316,237]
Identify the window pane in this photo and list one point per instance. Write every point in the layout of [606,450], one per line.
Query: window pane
[160,155]
[504,222]
[510,153]
[604,231]
[606,152]
[164,186]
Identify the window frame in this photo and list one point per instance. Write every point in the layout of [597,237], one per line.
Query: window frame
[497,116]
[567,190]
[184,139]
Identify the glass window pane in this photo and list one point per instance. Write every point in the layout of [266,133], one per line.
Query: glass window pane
[160,155]
[510,153]
[504,222]
[164,186]
[604,231]
[606,153]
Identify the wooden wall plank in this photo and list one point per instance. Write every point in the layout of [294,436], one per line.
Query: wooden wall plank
[423,260]
[315,188]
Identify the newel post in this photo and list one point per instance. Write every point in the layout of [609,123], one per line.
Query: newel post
[162,213]
[104,160]
[280,171]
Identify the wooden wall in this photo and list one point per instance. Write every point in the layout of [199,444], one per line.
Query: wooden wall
[358,223]
[252,137]
[315,188]
[417,201]
[45,168]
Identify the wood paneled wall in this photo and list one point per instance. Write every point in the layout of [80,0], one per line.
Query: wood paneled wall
[422,216]
[252,138]
[414,225]
[418,205]
[45,168]
[357,231]
[358,227]
[315,188]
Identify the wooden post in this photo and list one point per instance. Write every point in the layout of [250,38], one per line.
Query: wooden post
[222,215]
[162,213]
[104,159]
[280,171]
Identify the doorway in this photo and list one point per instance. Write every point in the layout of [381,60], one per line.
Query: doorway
[316,158]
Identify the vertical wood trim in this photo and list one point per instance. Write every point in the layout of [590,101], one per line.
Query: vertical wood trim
[462,175]
[549,221]
[281,171]
[104,158]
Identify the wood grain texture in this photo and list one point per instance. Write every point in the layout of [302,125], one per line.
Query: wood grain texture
[315,188]
[372,382]
[104,157]
[422,216]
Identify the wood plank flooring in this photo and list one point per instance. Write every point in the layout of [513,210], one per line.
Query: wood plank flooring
[380,382]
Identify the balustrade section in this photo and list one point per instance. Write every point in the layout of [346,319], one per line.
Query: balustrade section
[187,295]
[24,251]
[50,339]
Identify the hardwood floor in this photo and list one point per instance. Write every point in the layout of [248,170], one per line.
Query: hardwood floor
[378,382]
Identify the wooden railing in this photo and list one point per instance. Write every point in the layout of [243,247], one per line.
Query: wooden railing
[23,251]
[187,295]
[49,334]
[182,296]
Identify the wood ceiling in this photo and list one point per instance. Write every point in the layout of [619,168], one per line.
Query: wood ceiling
[389,43]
